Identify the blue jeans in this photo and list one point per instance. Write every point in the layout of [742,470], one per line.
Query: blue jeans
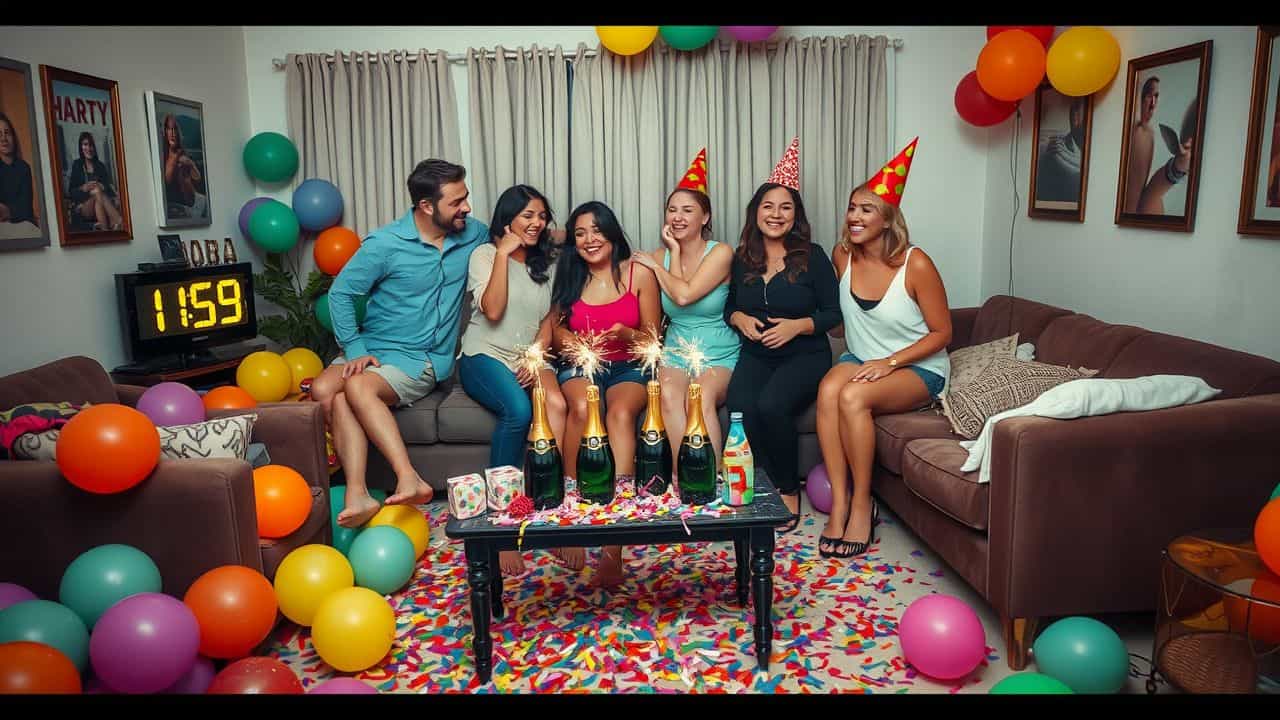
[489,382]
[932,380]
[608,375]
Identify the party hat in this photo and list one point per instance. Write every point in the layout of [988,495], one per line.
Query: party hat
[695,178]
[891,180]
[787,172]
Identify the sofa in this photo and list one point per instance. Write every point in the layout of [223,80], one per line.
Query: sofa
[189,516]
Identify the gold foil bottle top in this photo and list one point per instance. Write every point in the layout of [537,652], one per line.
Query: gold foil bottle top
[595,426]
[693,410]
[653,413]
[540,428]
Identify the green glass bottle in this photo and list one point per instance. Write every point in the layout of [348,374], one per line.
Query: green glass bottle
[595,457]
[653,449]
[543,469]
[697,471]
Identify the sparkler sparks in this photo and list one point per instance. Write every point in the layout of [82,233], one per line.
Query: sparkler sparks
[583,351]
[648,350]
[532,358]
[691,352]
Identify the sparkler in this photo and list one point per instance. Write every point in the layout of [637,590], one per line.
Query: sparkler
[648,350]
[691,352]
[531,358]
[583,351]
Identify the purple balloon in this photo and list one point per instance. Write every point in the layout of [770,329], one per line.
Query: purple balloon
[197,679]
[343,686]
[171,403]
[942,637]
[144,643]
[818,487]
[751,33]
[11,594]
[246,211]
[93,685]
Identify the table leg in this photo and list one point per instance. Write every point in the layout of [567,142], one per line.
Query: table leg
[495,590]
[478,570]
[740,546]
[762,589]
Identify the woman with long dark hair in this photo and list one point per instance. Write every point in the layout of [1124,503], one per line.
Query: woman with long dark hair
[17,195]
[91,188]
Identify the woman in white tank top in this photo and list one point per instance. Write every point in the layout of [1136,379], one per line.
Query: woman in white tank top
[897,359]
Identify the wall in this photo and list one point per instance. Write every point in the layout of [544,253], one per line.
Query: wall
[1212,284]
[63,299]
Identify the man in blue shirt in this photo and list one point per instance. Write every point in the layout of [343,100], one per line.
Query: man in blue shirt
[414,271]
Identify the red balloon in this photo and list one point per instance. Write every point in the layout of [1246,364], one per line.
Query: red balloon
[235,607]
[28,667]
[256,676]
[1043,33]
[976,106]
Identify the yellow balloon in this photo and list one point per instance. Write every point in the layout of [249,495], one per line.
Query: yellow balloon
[1082,61]
[265,376]
[411,522]
[306,577]
[626,39]
[353,629]
[303,364]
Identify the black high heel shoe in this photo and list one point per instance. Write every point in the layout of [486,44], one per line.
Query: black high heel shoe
[849,548]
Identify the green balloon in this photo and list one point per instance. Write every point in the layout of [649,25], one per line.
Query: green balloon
[1085,654]
[105,575]
[326,319]
[274,226]
[343,536]
[382,558]
[688,37]
[48,623]
[1030,683]
[270,157]
[1275,493]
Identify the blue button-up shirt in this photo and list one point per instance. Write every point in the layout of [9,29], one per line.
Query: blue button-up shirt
[415,296]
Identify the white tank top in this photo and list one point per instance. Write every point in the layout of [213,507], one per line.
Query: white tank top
[894,324]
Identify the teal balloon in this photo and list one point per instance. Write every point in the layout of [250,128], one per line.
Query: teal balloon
[1275,493]
[274,226]
[1030,683]
[344,536]
[270,157]
[688,37]
[105,575]
[1085,654]
[322,311]
[49,623]
[382,558]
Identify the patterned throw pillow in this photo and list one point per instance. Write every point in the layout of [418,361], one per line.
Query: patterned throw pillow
[226,437]
[967,363]
[37,446]
[1006,383]
[35,417]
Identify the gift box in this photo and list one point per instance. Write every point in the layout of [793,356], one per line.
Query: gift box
[503,484]
[466,496]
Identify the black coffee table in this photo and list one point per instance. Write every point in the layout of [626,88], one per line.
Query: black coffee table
[751,528]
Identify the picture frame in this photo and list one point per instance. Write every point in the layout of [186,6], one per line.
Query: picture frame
[1166,95]
[82,115]
[1063,132]
[180,176]
[1260,181]
[24,217]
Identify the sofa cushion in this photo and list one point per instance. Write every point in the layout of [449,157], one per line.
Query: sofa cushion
[1238,374]
[968,362]
[894,431]
[1080,340]
[931,471]
[224,437]
[418,422]
[463,420]
[1001,316]
[76,379]
[1007,383]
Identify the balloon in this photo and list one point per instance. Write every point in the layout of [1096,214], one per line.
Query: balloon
[265,376]
[818,487]
[1011,65]
[410,520]
[108,448]
[144,643]
[1275,493]
[1261,622]
[196,681]
[47,622]
[12,594]
[283,499]
[303,363]
[235,607]
[626,39]
[256,676]
[382,558]
[270,157]
[1029,683]
[343,686]
[307,576]
[1086,655]
[246,211]
[318,204]
[228,397]
[1082,61]
[751,33]
[688,37]
[942,637]
[976,106]
[103,576]
[1043,33]
[326,319]
[343,536]
[274,226]
[28,667]
[333,248]
[171,403]
[353,629]
[1266,533]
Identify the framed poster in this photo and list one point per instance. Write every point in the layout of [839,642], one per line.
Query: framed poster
[1060,156]
[24,217]
[1260,186]
[178,161]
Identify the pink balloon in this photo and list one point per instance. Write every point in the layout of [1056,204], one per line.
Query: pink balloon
[818,487]
[751,33]
[171,403]
[12,594]
[343,686]
[196,681]
[942,637]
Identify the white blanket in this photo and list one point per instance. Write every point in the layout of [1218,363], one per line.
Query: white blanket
[1092,396]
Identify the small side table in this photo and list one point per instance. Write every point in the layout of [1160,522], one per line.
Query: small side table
[1218,616]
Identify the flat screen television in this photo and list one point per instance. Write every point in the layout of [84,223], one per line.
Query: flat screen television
[179,312]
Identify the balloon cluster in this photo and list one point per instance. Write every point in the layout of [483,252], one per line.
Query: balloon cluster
[633,39]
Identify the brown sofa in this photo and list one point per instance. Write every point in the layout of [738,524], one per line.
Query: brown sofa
[190,516]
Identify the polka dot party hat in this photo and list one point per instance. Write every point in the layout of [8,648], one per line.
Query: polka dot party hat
[695,178]
[891,180]
[787,171]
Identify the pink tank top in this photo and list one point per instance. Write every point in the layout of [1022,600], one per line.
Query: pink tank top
[598,318]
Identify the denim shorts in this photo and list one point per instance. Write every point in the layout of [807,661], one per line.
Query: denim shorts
[608,375]
[932,380]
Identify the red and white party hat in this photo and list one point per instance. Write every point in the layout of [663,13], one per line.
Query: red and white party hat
[787,171]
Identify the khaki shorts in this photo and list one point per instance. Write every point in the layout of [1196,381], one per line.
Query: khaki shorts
[407,389]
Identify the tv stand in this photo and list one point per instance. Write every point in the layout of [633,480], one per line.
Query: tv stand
[201,368]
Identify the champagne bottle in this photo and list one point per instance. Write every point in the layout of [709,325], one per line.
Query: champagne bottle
[697,472]
[595,457]
[653,449]
[543,469]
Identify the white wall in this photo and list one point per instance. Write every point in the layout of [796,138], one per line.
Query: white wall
[1212,284]
[61,301]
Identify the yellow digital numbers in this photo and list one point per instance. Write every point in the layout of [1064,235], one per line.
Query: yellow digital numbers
[232,301]
[159,312]
[206,305]
[225,308]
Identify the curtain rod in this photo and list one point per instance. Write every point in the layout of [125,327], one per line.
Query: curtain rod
[458,58]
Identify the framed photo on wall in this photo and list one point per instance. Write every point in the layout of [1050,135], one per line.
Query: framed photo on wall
[24,218]
[1060,156]
[86,148]
[1260,187]
[178,160]
[1165,99]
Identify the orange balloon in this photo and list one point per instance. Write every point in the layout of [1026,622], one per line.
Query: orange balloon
[334,247]
[108,448]
[228,397]
[283,499]
[1011,65]
[1261,621]
[1266,534]
[236,609]
[28,667]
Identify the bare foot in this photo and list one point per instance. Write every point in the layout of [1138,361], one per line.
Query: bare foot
[574,558]
[511,562]
[609,571]
[411,490]
[358,511]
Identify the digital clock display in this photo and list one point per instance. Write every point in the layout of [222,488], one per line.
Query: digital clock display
[191,306]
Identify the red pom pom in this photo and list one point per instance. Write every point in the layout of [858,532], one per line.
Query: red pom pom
[520,506]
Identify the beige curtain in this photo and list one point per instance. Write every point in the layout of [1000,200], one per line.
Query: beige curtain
[364,120]
[519,109]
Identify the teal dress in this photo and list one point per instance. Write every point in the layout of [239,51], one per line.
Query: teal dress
[701,322]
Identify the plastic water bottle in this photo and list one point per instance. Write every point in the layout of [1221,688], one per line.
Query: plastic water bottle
[739,486]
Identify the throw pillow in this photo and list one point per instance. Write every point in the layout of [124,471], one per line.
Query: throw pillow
[967,363]
[37,446]
[33,418]
[1005,384]
[226,437]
